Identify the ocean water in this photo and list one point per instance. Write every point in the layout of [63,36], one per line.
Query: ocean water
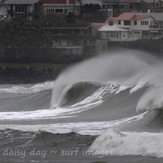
[107,109]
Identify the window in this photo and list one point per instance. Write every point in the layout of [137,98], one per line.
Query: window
[124,35]
[119,22]
[50,10]
[127,22]
[59,11]
[144,22]
[137,32]
[110,23]
[114,35]
[19,8]
[135,22]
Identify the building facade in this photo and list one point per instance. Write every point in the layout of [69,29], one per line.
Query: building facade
[131,27]
[79,37]
[121,6]
[64,7]
[37,9]
[29,10]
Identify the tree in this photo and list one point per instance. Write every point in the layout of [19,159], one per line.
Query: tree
[91,8]
[18,33]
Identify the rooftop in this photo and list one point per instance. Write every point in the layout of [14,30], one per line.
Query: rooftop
[21,1]
[111,19]
[125,16]
[128,16]
[57,1]
[111,28]
[118,1]
[157,16]
[130,1]
[53,1]
[98,25]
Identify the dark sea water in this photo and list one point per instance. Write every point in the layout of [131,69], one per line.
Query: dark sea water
[104,110]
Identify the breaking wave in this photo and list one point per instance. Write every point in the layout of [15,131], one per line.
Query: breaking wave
[78,92]
[120,94]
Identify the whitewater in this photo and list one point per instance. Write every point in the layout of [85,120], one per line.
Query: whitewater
[116,98]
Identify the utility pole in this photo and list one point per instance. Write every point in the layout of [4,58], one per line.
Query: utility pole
[74,7]
[76,2]
[118,7]
[81,8]
[154,4]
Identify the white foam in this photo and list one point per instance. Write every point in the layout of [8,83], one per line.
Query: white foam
[129,143]
[83,128]
[122,88]
[38,114]
[32,89]
[137,87]
[53,113]
[97,97]
[152,99]
[58,112]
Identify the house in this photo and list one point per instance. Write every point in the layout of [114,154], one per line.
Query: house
[156,27]
[129,27]
[118,6]
[27,9]
[139,6]
[156,16]
[60,7]
[121,6]
[80,36]
[154,5]
[113,33]
[96,27]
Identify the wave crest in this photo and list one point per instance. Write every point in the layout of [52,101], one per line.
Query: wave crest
[77,92]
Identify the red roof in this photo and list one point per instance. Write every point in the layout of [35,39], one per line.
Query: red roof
[111,19]
[57,1]
[131,16]
[127,16]
[140,17]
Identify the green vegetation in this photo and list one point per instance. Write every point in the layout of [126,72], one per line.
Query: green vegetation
[23,41]
[18,33]
[91,8]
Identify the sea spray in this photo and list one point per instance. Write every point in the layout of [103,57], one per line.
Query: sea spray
[123,68]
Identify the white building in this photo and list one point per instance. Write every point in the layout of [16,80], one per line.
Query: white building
[28,9]
[53,7]
[129,27]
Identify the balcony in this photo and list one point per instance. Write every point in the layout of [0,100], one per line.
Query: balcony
[156,26]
